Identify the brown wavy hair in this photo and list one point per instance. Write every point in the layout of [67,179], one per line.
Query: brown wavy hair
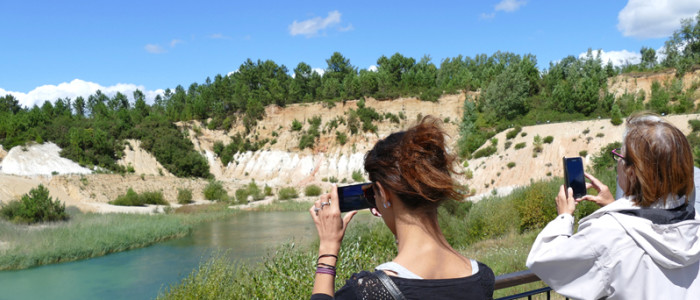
[658,160]
[415,165]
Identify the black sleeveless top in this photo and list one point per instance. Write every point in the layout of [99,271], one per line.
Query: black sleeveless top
[365,285]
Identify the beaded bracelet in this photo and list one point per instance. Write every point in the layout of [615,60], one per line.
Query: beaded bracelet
[324,270]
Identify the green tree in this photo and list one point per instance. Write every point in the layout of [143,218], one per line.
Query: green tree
[616,115]
[506,95]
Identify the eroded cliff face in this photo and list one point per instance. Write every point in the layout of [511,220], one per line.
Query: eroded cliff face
[282,163]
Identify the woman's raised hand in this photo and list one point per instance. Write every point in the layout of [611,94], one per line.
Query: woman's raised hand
[604,196]
[331,227]
[565,201]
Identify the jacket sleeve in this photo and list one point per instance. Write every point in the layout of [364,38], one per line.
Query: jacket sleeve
[570,264]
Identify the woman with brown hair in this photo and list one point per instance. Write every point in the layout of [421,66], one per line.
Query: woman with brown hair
[410,173]
[645,245]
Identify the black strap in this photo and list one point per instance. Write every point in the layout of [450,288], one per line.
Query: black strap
[390,285]
[663,216]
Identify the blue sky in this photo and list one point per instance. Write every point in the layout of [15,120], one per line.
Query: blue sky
[51,49]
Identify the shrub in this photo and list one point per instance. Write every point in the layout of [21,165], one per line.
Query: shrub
[616,114]
[583,153]
[35,206]
[507,144]
[519,146]
[268,190]
[523,134]
[296,125]
[312,190]
[600,134]
[340,137]
[287,193]
[254,190]
[132,198]
[215,191]
[548,139]
[511,165]
[357,176]
[485,152]
[184,196]
[694,125]
[513,133]
[535,205]
[242,195]
[537,144]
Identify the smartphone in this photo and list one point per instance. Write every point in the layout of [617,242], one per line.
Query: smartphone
[351,197]
[573,176]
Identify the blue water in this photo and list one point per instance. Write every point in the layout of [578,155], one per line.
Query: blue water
[142,273]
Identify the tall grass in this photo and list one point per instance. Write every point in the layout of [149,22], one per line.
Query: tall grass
[90,235]
[497,231]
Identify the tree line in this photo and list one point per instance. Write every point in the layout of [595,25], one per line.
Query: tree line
[512,90]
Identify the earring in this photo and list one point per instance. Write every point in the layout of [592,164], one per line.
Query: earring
[387,204]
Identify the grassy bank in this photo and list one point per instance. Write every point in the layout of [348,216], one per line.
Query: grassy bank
[89,235]
[498,231]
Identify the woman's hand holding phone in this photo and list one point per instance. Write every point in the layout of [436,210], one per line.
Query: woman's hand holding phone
[604,196]
[565,201]
[330,226]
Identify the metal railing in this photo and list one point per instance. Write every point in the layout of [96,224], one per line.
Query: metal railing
[518,278]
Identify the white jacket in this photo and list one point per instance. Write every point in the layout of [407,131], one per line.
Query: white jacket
[619,256]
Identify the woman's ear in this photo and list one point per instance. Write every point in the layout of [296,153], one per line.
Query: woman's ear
[383,193]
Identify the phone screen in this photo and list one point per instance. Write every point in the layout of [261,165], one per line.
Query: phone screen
[573,174]
[352,197]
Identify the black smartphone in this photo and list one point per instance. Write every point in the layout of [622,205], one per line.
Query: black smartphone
[352,197]
[573,176]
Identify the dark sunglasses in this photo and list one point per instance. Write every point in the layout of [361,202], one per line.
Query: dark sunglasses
[368,192]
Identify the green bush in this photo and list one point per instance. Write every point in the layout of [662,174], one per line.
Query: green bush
[616,115]
[296,125]
[215,191]
[312,190]
[603,160]
[583,153]
[268,190]
[694,125]
[184,196]
[35,206]
[242,195]
[484,152]
[132,198]
[287,193]
[507,144]
[519,146]
[513,133]
[254,190]
[511,165]
[535,204]
[357,176]
[548,139]
[340,137]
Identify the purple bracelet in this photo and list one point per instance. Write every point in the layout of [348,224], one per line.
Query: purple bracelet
[324,270]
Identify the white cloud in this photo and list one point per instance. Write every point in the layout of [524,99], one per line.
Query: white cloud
[485,16]
[174,42]
[311,27]
[509,5]
[319,71]
[372,68]
[618,58]
[155,49]
[654,18]
[75,89]
[218,36]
